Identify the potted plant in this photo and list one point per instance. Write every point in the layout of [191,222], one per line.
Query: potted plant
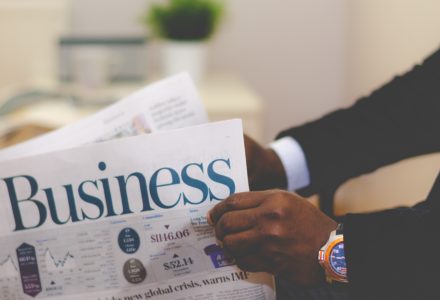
[185,25]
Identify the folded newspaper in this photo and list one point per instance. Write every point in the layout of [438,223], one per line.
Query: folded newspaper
[125,218]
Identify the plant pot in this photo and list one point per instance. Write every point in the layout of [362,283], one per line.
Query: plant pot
[184,56]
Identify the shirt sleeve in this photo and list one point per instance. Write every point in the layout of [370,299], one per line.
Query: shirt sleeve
[294,162]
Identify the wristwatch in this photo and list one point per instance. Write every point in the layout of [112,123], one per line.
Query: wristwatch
[332,257]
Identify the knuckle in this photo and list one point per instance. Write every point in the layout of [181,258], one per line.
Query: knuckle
[214,214]
[224,224]
[218,232]
[228,244]
[232,202]
[272,233]
[250,219]
[285,198]
[275,214]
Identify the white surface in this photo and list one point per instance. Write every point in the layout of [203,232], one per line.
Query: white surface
[29,32]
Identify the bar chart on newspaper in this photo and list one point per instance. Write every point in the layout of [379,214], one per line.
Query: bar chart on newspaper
[9,277]
[150,249]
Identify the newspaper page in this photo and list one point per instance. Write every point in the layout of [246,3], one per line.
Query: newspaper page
[125,219]
[168,104]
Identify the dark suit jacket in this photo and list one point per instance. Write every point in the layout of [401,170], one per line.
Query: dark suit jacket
[393,254]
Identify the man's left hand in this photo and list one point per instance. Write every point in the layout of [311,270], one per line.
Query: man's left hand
[273,231]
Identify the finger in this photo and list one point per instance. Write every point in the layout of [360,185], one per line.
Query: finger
[235,202]
[245,243]
[254,260]
[251,264]
[235,221]
[249,145]
[247,250]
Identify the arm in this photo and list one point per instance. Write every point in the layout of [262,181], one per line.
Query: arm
[397,246]
[399,120]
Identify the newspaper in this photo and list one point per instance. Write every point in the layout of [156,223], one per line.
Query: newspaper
[124,219]
[168,104]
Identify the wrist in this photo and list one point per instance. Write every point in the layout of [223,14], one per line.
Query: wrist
[278,173]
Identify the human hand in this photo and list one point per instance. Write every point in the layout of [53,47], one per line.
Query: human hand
[265,170]
[273,231]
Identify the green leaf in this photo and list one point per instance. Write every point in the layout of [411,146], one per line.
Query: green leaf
[185,19]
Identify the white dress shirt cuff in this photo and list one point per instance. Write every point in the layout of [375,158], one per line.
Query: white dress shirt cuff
[294,162]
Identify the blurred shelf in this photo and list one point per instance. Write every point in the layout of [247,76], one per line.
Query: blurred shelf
[224,96]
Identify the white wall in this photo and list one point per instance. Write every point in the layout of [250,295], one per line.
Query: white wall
[29,32]
[387,37]
[103,17]
[291,52]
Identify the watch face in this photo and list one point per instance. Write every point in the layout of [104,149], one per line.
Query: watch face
[337,259]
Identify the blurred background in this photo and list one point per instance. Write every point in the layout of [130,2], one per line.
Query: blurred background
[274,63]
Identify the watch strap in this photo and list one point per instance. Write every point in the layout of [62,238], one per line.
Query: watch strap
[340,229]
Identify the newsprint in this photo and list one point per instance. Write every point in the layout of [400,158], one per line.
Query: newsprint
[98,210]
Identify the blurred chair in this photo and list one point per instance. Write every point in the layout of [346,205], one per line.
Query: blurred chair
[29,32]
[404,183]
[20,134]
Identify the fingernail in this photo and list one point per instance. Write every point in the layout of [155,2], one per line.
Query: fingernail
[209,219]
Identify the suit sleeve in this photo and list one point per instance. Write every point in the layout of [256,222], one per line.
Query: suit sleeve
[393,254]
[399,120]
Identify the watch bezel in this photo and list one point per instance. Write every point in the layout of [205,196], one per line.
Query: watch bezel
[331,262]
[331,273]
[336,237]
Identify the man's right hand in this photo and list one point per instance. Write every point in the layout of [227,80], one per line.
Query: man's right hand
[265,170]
